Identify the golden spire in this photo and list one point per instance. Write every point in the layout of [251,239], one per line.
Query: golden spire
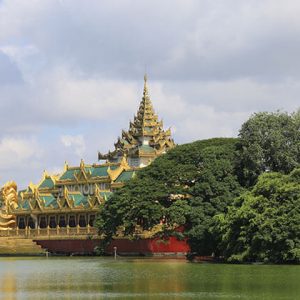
[145,94]
[145,132]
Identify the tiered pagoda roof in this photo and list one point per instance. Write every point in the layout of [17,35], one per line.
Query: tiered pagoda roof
[54,193]
[145,137]
[85,187]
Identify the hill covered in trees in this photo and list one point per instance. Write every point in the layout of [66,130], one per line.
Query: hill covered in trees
[237,198]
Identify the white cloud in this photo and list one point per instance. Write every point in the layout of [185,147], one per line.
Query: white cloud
[27,58]
[210,40]
[21,159]
[76,143]
[71,72]
[16,152]
[206,122]
[86,98]
[200,119]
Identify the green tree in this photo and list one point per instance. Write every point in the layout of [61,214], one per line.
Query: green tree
[268,142]
[264,224]
[187,186]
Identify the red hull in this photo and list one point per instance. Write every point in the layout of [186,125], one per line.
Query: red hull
[156,246]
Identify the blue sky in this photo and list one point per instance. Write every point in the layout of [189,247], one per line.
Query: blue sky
[71,72]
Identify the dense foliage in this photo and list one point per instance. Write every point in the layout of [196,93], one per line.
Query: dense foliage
[238,198]
[268,142]
[187,186]
[264,224]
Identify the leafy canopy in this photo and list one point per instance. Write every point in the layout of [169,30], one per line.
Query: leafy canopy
[187,186]
[268,142]
[201,186]
[264,224]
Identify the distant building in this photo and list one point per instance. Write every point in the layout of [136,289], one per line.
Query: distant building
[145,140]
[67,203]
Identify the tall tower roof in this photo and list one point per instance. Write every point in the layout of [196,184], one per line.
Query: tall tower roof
[145,94]
[145,137]
[145,120]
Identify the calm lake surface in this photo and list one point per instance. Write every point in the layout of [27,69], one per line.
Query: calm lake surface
[129,278]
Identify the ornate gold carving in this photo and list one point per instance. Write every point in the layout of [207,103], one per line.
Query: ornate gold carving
[10,197]
[114,174]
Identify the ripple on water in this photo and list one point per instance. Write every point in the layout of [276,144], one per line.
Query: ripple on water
[105,278]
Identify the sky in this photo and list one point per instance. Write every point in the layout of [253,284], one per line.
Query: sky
[71,73]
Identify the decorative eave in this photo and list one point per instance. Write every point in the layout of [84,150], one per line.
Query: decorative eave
[95,180]
[147,155]
[65,204]
[95,209]
[99,199]
[115,185]
[33,203]
[114,174]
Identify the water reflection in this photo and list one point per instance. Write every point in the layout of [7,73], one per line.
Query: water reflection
[8,285]
[104,278]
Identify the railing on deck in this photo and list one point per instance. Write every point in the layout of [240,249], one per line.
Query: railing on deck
[50,232]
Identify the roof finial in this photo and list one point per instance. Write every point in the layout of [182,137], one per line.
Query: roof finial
[146,95]
[81,164]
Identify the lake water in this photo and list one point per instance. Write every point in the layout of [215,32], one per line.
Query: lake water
[129,278]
